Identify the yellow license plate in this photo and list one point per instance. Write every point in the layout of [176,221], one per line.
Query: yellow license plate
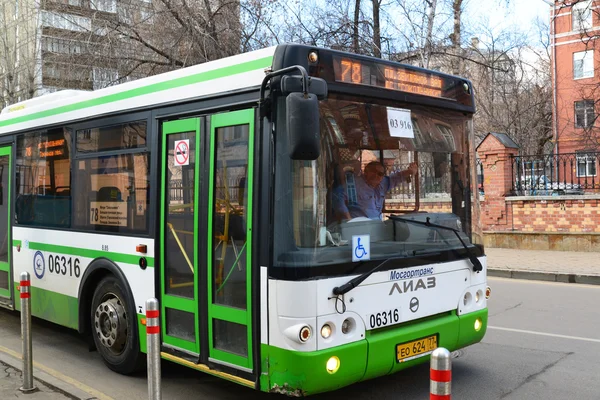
[416,348]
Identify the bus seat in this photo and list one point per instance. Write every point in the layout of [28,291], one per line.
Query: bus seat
[109,193]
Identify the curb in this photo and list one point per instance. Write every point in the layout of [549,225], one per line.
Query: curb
[545,276]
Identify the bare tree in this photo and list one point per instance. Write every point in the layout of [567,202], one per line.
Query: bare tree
[18,69]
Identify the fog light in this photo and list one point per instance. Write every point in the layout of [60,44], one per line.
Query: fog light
[488,292]
[305,334]
[333,364]
[478,325]
[326,331]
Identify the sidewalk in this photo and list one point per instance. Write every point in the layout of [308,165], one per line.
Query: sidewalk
[50,384]
[555,266]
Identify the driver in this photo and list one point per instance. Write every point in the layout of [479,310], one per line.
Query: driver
[371,188]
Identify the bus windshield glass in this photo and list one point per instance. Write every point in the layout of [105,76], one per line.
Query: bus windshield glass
[378,159]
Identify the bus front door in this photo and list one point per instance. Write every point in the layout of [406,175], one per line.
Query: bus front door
[179,235]
[230,240]
[5,239]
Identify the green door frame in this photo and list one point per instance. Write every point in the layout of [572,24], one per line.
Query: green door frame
[171,301]
[217,311]
[6,266]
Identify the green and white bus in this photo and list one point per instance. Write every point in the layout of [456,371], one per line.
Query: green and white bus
[217,189]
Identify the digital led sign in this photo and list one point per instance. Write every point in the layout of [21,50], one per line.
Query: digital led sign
[390,77]
[49,148]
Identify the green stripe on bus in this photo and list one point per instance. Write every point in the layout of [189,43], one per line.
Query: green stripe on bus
[51,306]
[157,87]
[16,243]
[76,251]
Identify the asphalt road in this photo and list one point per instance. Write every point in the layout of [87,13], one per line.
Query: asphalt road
[543,342]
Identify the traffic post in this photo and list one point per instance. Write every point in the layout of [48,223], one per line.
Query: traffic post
[153,349]
[24,290]
[440,375]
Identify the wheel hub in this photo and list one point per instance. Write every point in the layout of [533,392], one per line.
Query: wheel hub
[110,324]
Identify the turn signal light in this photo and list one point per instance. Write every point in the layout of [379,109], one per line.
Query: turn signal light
[488,292]
[141,248]
[305,334]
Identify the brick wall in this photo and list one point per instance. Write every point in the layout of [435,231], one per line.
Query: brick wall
[532,222]
[427,205]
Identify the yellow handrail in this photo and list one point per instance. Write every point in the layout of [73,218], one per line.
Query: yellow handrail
[181,246]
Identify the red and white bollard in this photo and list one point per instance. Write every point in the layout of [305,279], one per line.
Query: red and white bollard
[153,349]
[25,294]
[440,374]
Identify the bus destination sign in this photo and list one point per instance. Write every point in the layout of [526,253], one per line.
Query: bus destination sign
[390,77]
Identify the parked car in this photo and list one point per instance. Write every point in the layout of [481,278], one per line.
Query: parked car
[562,188]
[542,186]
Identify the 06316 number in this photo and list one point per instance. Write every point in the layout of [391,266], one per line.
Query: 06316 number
[61,265]
[384,318]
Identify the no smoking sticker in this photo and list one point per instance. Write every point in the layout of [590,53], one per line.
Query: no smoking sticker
[182,152]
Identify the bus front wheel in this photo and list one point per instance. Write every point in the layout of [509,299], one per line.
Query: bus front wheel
[114,326]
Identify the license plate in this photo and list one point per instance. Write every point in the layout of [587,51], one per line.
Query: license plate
[415,349]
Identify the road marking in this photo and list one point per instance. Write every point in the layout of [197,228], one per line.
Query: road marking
[545,334]
[67,379]
[536,282]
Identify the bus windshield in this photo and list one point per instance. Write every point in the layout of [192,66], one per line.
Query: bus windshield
[378,159]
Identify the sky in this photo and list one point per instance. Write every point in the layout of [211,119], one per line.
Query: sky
[522,12]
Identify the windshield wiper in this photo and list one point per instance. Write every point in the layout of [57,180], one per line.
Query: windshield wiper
[477,267]
[354,282]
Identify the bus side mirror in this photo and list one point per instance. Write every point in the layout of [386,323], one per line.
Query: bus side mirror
[303,126]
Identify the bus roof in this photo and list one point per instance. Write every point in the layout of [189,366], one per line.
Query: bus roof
[180,85]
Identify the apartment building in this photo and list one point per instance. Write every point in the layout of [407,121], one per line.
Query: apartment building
[51,45]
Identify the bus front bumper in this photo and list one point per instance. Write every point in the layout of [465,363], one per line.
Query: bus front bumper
[297,373]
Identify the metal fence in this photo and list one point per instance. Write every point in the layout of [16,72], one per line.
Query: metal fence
[555,174]
[434,182]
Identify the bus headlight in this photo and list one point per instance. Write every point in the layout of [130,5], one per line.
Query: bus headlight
[467,299]
[478,324]
[333,364]
[326,331]
[347,326]
[478,296]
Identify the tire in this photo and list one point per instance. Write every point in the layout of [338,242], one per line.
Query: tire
[114,326]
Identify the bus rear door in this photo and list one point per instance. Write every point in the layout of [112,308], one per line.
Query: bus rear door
[5,237]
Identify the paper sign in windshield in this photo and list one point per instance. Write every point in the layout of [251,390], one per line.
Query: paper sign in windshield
[400,123]
[110,213]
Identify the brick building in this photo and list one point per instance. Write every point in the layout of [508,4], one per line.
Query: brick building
[574,26]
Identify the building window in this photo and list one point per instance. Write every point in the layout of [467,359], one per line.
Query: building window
[584,113]
[583,64]
[448,137]
[109,6]
[586,164]
[69,22]
[582,16]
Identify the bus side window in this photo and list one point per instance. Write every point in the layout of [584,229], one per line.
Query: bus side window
[43,166]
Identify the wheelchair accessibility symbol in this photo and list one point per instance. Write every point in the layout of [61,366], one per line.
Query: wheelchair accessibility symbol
[361,248]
